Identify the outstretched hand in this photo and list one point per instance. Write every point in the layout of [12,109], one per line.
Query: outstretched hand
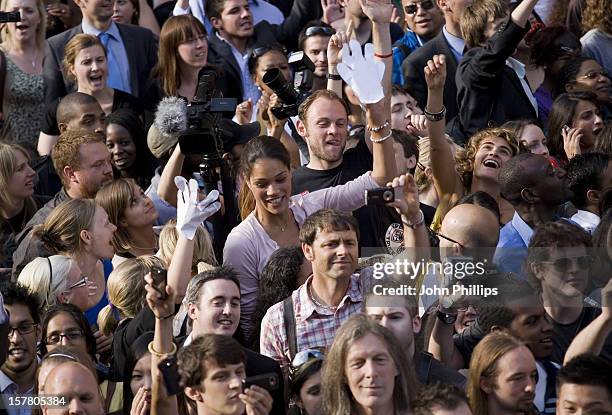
[378,11]
[408,205]
[362,72]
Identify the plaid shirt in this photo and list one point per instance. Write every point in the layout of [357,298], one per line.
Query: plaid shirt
[315,326]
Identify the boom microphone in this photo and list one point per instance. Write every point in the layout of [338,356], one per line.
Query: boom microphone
[171,116]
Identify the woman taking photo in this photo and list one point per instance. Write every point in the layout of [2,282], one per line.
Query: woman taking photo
[85,63]
[574,125]
[23,52]
[367,371]
[126,141]
[17,205]
[134,215]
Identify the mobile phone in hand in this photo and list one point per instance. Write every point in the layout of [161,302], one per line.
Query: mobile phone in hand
[169,369]
[160,280]
[268,381]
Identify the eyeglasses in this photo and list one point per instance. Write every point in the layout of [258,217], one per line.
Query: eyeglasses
[195,39]
[464,307]
[23,329]
[594,75]
[319,31]
[262,50]
[563,264]
[439,235]
[413,8]
[80,283]
[306,355]
[70,335]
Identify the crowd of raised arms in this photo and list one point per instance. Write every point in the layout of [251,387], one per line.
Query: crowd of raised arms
[305,207]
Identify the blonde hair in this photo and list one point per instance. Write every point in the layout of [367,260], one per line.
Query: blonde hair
[483,364]
[46,278]
[337,396]
[61,231]
[465,157]
[126,291]
[202,251]
[66,151]
[475,18]
[8,167]
[41,30]
[597,15]
[115,198]
[74,46]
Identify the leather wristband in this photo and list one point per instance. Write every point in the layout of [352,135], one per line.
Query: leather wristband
[334,77]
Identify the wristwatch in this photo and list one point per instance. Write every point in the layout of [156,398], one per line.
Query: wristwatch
[446,318]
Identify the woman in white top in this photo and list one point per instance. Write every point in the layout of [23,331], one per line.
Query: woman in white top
[275,216]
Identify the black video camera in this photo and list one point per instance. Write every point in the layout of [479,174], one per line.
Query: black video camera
[290,95]
[202,135]
[10,17]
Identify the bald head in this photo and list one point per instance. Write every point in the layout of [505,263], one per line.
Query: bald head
[79,110]
[471,225]
[78,385]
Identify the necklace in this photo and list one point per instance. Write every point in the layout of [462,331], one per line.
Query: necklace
[318,304]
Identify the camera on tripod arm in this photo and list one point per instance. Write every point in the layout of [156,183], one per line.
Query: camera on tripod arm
[291,94]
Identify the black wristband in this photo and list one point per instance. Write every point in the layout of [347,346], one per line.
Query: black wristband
[334,77]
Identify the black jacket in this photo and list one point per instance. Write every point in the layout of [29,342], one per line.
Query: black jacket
[414,75]
[220,52]
[489,92]
[140,47]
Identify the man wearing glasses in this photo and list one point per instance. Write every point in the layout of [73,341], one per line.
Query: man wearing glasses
[424,20]
[18,372]
[448,42]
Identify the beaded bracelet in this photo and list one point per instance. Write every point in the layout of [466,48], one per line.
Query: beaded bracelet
[381,139]
[379,128]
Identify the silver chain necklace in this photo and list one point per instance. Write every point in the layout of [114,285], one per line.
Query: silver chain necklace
[318,304]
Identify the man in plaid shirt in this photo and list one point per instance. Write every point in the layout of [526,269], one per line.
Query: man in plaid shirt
[328,297]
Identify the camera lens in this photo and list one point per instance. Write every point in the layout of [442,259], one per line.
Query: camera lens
[388,196]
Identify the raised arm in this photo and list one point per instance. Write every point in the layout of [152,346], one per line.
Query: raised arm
[146,18]
[166,189]
[520,15]
[161,348]
[591,339]
[442,161]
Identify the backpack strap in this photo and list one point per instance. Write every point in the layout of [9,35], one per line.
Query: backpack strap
[289,319]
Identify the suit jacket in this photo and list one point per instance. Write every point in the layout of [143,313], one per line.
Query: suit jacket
[220,53]
[488,91]
[141,48]
[414,76]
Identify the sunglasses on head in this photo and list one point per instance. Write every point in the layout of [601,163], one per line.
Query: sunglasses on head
[413,8]
[306,355]
[258,52]
[564,264]
[319,31]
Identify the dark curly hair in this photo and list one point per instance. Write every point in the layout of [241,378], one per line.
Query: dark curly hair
[277,281]
[15,293]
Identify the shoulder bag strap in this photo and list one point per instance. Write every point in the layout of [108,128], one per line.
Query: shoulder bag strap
[2,77]
[289,319]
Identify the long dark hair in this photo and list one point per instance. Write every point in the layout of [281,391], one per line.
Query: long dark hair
[137,350]
[562,113]
[79,319]
[262,147]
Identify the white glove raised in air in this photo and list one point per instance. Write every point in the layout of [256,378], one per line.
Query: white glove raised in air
[362,72]
[189,212]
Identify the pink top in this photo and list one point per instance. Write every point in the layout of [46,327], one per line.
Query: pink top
[248,246]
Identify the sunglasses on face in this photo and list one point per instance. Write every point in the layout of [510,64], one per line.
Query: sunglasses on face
[565,263]
[413,8]
[319,31]
[70,335]
[439,235]
[23,329]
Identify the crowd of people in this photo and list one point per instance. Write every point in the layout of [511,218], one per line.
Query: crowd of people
[317,207]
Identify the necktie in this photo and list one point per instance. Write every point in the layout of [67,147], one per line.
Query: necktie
[114,79]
